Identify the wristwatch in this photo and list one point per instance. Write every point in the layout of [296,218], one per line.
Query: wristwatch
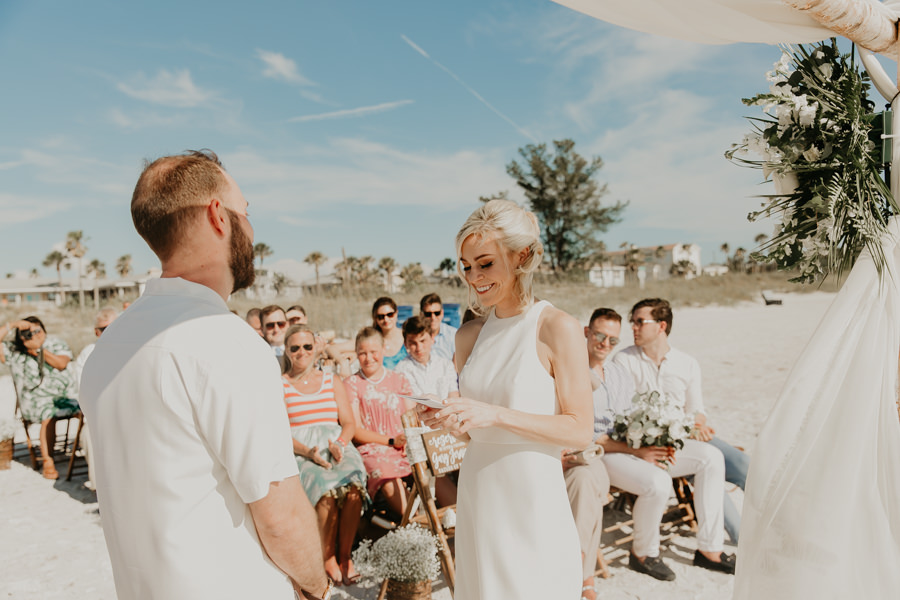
[328,592]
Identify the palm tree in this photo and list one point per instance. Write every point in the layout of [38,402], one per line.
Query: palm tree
[57,260]
[262,251]
[123,265]
[725,248]
[75,248]
[316,259]
[447,266]
[737,261]
[34,273]
[633,258]
[760,238]
[388,265]
[364,269]
[98,270]
[280,282]
[412,274]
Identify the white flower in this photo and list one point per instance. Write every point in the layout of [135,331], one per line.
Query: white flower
[807,114]
[811,154]
[827,70]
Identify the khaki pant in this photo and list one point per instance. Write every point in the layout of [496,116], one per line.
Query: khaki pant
[588,486]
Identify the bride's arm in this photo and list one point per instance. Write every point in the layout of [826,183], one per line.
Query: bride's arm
[561,346]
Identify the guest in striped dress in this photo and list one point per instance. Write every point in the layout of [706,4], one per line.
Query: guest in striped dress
[331,469]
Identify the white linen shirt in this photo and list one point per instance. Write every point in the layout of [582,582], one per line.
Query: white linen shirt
[438,377]
[187,417]
[678,376]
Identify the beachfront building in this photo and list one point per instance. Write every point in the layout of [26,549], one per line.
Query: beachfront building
[648,262]
[46,291]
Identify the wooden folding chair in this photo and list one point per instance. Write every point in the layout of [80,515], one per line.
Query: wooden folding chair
[426,460]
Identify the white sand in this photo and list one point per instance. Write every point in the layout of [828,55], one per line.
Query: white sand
[52,545]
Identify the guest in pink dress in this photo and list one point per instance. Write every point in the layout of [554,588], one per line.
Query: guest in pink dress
[373,393]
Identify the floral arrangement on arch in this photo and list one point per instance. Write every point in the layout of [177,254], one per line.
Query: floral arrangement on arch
[817,143]
[406,554]
[655,420]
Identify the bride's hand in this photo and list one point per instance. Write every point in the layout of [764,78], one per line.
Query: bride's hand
[465,414]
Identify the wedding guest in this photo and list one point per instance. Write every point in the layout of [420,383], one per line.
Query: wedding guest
[444,334]
[253,320]
[101,322]
[384,319]
[655,365]
[296,315]
[46,388]
[374,393]
[274,325]
[198,486]
[331,469]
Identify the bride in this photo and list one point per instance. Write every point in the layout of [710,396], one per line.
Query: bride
[526,394]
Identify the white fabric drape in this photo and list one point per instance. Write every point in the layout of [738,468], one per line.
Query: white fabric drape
[710,21]
[821,514]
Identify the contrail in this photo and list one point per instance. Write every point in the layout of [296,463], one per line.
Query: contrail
[480,98]
[352,112]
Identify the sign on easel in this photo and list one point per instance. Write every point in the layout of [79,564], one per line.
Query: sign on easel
[445,451]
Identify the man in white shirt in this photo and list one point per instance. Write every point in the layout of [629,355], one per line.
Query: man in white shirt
[427,372]
[444,335]
[198,487]
[655,365]
[643,472]
[101,322]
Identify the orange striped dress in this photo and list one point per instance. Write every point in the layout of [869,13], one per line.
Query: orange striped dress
[314,423]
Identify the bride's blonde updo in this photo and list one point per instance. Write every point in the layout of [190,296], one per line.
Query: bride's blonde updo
[515,229]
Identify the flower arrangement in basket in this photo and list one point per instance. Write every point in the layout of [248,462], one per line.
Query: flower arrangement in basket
[406,557]
[654,420]
[818,132]
[7,433]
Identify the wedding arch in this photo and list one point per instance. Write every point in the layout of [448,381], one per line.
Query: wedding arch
[822,504]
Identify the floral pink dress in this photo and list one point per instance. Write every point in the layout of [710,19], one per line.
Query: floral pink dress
[380,409]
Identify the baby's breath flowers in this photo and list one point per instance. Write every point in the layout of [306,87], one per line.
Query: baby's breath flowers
[816,144]
[407,554]
[7,429]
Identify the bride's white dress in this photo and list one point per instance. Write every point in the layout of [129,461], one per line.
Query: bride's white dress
[515,535]
[821,514]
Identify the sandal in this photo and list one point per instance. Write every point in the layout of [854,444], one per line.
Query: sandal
[49,469]
[586,588]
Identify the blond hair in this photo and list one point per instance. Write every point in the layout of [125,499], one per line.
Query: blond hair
[516,229]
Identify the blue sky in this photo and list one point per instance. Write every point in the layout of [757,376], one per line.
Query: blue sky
[367,126]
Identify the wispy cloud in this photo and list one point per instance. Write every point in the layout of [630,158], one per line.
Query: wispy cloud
[169,88]
[469,88]
[15,210]
[278,66]
[362,111]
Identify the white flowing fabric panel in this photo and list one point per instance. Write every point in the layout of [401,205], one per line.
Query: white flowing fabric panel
[821,513]
[709,21]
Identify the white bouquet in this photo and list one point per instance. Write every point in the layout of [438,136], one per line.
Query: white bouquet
[407,554]
[7,429]
[654,421]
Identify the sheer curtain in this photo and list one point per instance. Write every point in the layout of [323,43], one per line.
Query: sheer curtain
[821,515]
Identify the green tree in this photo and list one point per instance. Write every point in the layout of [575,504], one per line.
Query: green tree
[57,260]
[412,275]
[98,270]
[725,249]
[316,259]
[632,260]
[34,273]
[447,268]
[123,265]
[388,265]
[280,282]
[262,251]
[737,260]
[561,191]
[682,269]
[76,249]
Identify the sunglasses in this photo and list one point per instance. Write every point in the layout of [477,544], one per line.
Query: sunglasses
[274,324]
[27,334]
[386,315]
[602,337]
[433,313]
[100,329]
[642,322]
[307,347]
[295,320]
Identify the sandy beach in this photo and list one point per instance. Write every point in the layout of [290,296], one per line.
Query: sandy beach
[52,545]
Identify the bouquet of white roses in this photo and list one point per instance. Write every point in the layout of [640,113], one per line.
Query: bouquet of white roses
[655,420]
[407,554]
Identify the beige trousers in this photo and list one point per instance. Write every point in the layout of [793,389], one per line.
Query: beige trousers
[588,486]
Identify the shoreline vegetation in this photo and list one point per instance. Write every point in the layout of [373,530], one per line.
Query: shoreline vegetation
[344,312]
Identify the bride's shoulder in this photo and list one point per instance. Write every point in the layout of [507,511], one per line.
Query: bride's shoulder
[554,323]
[466,336]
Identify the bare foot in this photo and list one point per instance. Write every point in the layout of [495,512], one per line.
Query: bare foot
[351,576]
[333,570]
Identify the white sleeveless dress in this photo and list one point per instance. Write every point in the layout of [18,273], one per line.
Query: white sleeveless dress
[515,534]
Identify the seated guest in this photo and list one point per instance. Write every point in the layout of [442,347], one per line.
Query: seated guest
[274,325]
[655,365]
[331,469]
[373,393]
[46,388]
[431,375]
[102,321]
[253,321]
[643,472]
[296,315]
[444,334]
[384,319]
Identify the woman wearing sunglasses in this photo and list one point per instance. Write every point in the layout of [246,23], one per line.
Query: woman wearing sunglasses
[331,469]
[384,319]
[46,387]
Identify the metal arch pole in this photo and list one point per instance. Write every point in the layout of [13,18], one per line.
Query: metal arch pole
[889,90]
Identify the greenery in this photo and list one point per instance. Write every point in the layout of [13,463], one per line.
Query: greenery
[818,129]
[562,193]
[407,554]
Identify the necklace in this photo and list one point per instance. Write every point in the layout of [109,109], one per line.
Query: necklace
[383,375]
[304,375]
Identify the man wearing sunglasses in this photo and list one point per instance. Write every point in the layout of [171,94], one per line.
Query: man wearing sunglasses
[655,366]
[198,486]
[274,326]
[444,334]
